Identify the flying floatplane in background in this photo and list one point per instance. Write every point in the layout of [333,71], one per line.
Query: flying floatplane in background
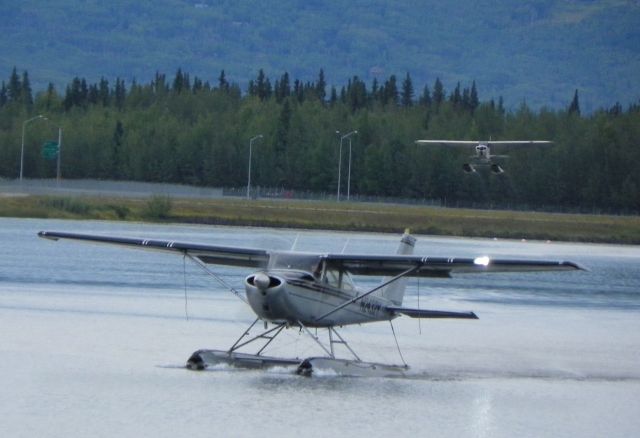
[483,156]
[304,291]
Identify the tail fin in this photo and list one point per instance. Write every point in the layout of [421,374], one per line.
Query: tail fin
[395,291]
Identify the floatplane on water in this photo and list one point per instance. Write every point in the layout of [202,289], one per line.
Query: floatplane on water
[301,290]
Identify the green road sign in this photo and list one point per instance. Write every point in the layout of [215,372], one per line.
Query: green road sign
[50,150]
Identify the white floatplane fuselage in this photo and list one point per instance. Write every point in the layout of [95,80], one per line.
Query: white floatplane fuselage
[298,297]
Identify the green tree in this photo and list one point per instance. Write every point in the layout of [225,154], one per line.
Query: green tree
[438,93]
[14,87]
[25,93]
[321,86]
[406,99]
[574,107]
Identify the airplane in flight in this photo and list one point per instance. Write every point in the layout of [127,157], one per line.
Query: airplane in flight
[483,156]
[305,291]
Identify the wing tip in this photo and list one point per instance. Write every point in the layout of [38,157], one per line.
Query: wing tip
[45,235]
[575,266]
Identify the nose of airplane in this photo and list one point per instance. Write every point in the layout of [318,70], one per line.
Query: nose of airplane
[262,281]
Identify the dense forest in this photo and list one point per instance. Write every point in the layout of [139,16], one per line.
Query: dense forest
[184,129]
[538,50]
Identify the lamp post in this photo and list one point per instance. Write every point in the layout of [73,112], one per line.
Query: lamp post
[249,176]
[339,167]
[349,177]
[59,154]
[24,126]
[347,135]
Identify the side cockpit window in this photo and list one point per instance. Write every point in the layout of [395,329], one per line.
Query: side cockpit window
[338,279]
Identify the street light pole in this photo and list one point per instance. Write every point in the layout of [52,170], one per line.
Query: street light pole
[249,176]
[59,154]
[24,125]
[339,167]
[349,178]
[347,135]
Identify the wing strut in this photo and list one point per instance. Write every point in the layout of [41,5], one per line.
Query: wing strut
[219,279]
[369,292]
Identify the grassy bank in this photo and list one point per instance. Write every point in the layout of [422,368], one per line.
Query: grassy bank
[335,216]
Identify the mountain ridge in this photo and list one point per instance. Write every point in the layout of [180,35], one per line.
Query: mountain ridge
[533,51]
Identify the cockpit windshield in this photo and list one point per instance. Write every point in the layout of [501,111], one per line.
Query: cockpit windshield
[312,263]
[301,262]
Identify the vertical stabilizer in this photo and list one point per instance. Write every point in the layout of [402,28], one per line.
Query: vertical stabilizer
[395,291]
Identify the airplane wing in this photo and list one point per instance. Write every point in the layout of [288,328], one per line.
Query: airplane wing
[376,265]
[211,254]
[489,142]
[418,266]
[425,313]
[449,142]
[520,142]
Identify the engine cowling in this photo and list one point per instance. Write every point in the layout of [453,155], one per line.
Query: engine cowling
[266,295]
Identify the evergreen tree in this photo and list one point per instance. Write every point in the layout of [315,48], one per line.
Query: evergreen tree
[252,90]
[425,99]
[223,85]
[466,99]
[407,92]
[356,94]
[14,88]
[25,93]
[375,90]
[92,96]
[390,93]
[281,144]
[3,95]
[83,93]
[574,108]
[334,96]
[263,86]
[73,94]
[438,93]
[120,93]
[197,85]
[282,89]
[103,92]
[159,86]
[51,96]
[474,101]
[298,90]
[321,86]
[456,98]
[180,82]
[116,154]
[616,109]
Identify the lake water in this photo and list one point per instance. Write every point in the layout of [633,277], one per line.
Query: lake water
[93,340]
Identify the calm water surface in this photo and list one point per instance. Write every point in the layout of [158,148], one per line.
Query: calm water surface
[94,337]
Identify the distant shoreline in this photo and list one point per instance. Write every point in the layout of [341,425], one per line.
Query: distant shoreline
[331,215]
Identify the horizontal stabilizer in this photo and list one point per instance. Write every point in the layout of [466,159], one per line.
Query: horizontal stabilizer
[425,313]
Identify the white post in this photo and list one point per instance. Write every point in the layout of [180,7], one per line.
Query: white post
[24,125]
[340,161]
[59,154]
[249,175]
[339,168]
[349,177]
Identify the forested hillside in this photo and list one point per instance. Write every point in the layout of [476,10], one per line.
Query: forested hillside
[533,50]
[184,129]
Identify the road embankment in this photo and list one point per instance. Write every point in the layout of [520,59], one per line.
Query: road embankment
[332,216]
